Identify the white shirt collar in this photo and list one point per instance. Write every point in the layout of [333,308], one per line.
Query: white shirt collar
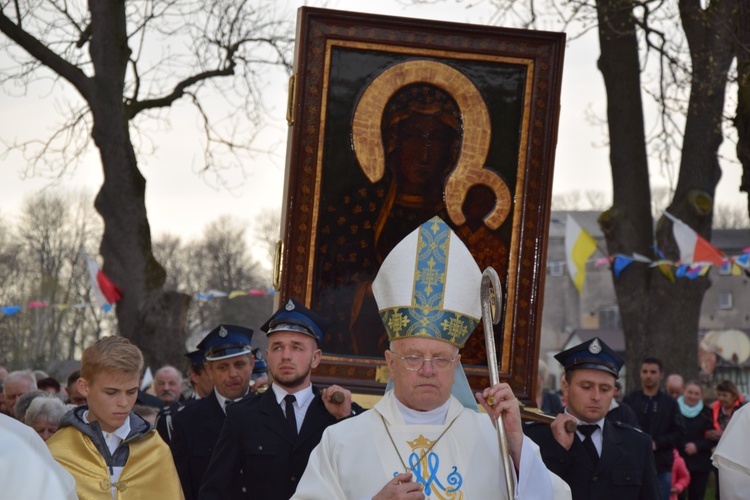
[223,401]
[113,439]
[599,423]
[430,417]
[303,396]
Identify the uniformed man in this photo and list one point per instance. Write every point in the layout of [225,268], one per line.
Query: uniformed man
[267,439]
[259,381]
[202,386]
[200,380]
[601,459]
[196,427]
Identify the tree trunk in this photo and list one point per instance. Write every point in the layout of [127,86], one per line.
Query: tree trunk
[660,317]
[151,318]
[627,225]
[742,118]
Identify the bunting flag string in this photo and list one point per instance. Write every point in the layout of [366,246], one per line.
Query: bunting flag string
[211,294]
[730,265]
[697,257]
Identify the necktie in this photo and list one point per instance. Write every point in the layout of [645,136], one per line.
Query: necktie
[289,400]
[588,443]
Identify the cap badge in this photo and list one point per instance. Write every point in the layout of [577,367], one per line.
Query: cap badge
[289,305]
[223,332]
[595,347]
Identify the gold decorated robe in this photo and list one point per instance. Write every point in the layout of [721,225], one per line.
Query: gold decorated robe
[148,473]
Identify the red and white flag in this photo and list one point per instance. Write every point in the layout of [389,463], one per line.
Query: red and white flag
[105,292]
[694,248]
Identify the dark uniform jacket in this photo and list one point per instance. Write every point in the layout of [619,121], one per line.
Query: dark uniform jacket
[257,455]
[195,430]
[622,413]
[625,470]
[164,418]
[667,427]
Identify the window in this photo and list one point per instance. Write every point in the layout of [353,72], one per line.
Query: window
[609,318]
[556,268]
[725,300]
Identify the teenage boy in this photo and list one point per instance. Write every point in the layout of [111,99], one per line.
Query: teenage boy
[110,451]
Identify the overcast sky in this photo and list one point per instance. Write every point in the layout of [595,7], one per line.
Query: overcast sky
[181,201]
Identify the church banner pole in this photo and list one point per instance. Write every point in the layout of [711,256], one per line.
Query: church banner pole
[491,295]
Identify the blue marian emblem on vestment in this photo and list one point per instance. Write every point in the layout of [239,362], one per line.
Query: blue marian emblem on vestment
[425,465]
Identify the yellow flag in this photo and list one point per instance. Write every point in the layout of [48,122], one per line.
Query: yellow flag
[579,246]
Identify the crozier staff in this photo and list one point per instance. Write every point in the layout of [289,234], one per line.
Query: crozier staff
[421,441]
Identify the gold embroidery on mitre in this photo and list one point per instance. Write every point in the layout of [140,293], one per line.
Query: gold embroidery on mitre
[455,328]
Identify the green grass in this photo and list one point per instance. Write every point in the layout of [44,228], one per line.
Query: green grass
[711,488]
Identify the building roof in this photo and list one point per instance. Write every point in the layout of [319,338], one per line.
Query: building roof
[731,241]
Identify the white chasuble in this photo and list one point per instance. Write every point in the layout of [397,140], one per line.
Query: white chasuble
[458,460]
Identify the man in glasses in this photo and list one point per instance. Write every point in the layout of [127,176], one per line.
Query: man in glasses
[420,440]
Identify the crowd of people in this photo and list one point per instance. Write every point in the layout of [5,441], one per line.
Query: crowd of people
[248,425]
[685,425]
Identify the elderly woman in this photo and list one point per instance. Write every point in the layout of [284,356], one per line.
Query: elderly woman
[44,415]
[23,402]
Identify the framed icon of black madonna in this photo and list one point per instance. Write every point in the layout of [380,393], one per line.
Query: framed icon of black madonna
[393,121]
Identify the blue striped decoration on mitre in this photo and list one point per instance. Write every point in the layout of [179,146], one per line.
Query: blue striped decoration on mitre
[443,300]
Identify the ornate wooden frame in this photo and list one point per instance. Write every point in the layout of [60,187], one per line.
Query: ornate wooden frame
[506,85]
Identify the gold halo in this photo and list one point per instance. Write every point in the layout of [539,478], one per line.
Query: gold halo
[367,138]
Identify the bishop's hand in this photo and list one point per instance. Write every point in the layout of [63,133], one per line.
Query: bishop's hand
[401,487]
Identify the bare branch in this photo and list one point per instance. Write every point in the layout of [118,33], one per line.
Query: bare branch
[45,55]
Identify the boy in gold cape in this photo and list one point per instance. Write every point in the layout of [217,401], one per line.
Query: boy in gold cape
[110,451]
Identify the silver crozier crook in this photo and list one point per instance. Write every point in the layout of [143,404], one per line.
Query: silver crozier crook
[492,289]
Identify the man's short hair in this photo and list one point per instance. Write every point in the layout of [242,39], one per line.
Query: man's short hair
[654,361]
[197,368]
[73,378]
[113,354]
[48,383]
[18,375]
[169,368]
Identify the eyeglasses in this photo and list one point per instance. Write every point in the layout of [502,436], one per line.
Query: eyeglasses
[414,363]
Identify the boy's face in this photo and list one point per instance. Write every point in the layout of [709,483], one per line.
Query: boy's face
[111,397]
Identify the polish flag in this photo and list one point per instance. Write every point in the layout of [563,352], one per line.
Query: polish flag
[693,247]
[105,292]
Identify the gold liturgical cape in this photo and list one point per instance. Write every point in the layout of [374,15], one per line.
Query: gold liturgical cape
[148,473]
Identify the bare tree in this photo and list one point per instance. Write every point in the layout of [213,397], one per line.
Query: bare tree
[731,217]
[49,269]
[219,260]
[267,229]
[129,62]
[685,49]
[570,200]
